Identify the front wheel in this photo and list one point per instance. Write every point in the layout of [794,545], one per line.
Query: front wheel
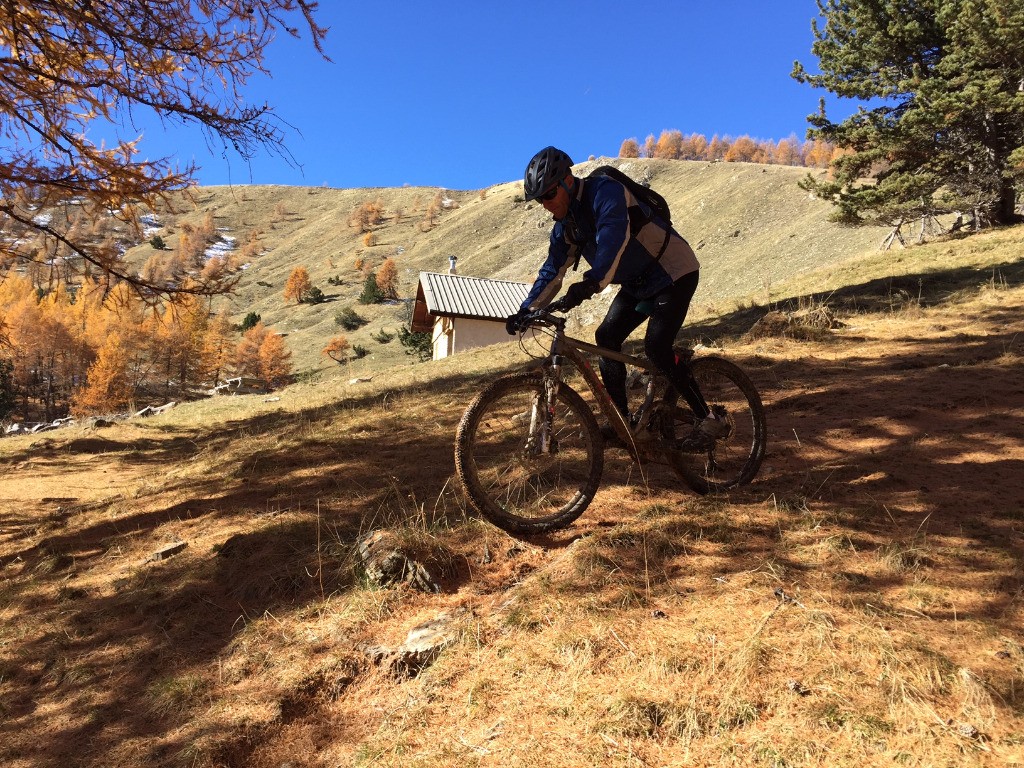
[734,459]
[515,482]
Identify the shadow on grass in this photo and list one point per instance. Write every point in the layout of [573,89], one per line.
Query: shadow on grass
[932,412]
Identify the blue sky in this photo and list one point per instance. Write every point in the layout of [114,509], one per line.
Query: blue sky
[460,95]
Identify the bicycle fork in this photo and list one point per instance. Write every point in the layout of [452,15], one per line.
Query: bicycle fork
[540,439]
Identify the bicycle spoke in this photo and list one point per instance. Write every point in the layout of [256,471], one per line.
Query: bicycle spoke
[734,459]
[509,477]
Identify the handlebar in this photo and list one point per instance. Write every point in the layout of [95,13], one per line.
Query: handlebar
[544,317]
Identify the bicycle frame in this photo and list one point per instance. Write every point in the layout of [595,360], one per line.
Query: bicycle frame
[529,450]
[574,350]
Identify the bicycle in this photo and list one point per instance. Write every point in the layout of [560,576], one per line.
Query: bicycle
[529,452]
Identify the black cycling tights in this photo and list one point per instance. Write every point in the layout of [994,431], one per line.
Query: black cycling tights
[665,313]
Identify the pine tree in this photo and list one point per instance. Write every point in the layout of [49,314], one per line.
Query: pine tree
[948,133]
[419,344]
[371,290]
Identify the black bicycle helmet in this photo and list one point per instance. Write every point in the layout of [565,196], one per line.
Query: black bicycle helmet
[547,168]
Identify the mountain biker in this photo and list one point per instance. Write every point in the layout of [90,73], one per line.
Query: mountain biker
[627,245]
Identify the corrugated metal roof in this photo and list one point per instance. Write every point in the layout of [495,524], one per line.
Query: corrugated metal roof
[479,297]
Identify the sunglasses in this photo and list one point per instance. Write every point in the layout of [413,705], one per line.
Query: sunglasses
[550,194]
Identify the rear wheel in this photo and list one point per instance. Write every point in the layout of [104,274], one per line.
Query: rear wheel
[734,459]
[508,478]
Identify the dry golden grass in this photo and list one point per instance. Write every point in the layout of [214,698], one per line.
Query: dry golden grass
[860,603]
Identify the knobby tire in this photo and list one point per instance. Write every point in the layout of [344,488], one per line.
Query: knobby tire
[734,460]
[518,490]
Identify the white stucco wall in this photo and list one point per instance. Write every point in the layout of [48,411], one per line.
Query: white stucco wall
[452,335]
[478,333]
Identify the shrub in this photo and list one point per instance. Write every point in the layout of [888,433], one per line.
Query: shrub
[249,322]
[314,296]
[419,344]
[349,319]
[359,351]
[383,337]
[157,243]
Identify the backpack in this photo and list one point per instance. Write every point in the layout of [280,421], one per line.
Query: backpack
[645,195]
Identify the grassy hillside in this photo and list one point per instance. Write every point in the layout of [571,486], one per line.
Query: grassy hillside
[860,603]
[751,225]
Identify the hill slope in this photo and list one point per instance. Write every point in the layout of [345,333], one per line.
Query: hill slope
[859,604]
[752,227]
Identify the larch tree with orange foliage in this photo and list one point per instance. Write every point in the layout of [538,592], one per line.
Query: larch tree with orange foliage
[108,387]
[180,331]
[218,349]
[298,285]
[387,279]
[247,353]
[649,146]
[741,151]
[718,147]
[629,148]
[275,361]
[669,146]
[818,153]
[787,152]
[40,347]
[337,349]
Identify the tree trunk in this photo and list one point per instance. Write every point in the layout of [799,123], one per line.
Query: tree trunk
[1005,209]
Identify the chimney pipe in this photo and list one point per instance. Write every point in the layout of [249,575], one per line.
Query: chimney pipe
[451,265]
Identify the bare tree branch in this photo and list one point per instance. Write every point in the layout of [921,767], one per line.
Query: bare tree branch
[68,65]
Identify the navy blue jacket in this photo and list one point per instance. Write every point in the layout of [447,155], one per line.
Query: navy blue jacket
[615,234]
